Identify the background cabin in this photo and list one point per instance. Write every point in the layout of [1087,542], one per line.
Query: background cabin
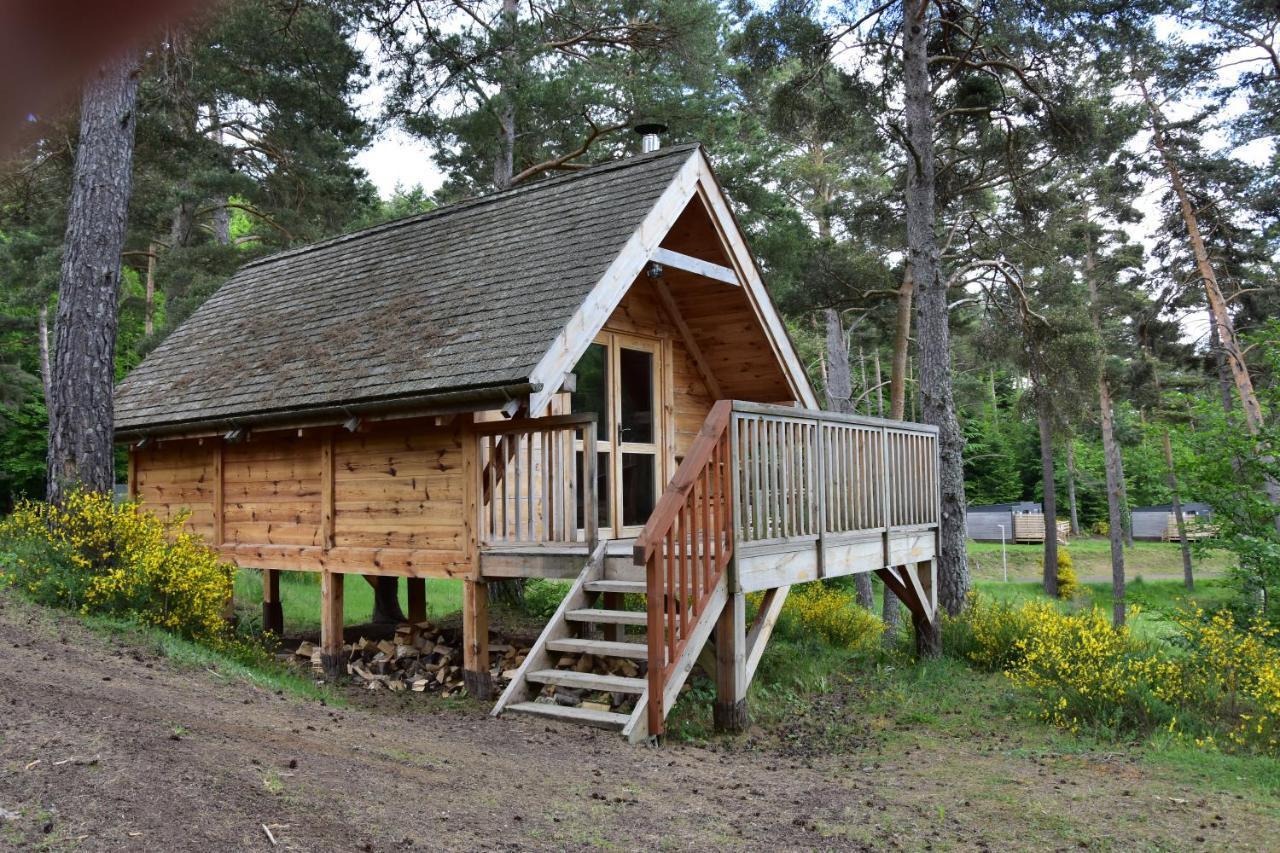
[984,522]
[581,378]
[1158,523]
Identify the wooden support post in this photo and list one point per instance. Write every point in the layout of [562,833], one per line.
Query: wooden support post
[614,633]
[272,612]
[331,623]
[730,711]
[417,590]
[475,639]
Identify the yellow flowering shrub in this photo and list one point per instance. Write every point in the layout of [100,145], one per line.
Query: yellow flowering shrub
[986,634]
[1238,670]
[829,614]
[96,556]
[1067,581]
[1088,672]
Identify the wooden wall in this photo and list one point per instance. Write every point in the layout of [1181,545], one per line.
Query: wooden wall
[386,499]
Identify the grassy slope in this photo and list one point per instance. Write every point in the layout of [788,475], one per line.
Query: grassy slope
[1092,560]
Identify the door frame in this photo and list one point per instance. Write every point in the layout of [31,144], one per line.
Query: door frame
[613,343]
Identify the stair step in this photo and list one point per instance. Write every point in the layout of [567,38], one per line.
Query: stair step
[588,681]
[606,648]
[568,714]
[635,587]
[608,617]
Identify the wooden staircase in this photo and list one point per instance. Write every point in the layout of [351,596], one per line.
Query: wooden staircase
[573,630]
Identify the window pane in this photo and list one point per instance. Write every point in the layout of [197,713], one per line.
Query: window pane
[636,369]
[638,487]
[602,493]
[592,371]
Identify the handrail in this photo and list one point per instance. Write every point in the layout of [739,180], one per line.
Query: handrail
[528,480]
[685,547]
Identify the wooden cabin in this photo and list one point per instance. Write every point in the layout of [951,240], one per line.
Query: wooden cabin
[581,378]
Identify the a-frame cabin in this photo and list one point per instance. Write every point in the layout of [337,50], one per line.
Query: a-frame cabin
[581,378]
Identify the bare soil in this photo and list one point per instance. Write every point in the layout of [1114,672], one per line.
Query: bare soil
[108,747]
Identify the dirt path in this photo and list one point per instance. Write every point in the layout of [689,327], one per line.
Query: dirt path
[110,748]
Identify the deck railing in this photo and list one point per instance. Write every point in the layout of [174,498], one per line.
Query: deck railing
[530,481]
[804,473]
[685,546]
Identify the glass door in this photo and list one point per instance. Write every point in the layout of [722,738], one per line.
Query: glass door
[617,378]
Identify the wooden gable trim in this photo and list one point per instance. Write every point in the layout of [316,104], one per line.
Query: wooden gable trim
[695,179]
[697,266]
[589,319]
[753,285]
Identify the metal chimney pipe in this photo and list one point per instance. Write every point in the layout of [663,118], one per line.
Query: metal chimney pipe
[649,135]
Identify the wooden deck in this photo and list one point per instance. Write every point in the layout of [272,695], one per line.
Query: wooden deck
[766,497]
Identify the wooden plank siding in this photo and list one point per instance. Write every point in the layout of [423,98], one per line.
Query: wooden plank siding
[388,500]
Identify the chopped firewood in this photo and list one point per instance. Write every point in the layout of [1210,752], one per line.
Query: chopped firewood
[586,663]
[386,648]
[596,706]
[420,685]
[305,649]
[568,696]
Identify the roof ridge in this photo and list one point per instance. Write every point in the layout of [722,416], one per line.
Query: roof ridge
[477,201]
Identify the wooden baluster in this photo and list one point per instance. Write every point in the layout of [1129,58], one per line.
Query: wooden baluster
[490,466]
[706,524]
[517,476]
[672,594]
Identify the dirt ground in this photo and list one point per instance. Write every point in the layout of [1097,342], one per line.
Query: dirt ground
[111,748]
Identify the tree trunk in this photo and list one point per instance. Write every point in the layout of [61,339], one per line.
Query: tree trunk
[839,385]
[504,156]
[1188,578]
[1071,485]
[1220,361]
[1126,517]
[80,405]
[222,224]
[42,329]
[901,347]
[1044,419]
[1231,348]
[1111,457]
[149,309]
[1110,453]
[879,385]
[933,333]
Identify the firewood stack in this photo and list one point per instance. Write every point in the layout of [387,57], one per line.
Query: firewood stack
[421,658]
[424,658]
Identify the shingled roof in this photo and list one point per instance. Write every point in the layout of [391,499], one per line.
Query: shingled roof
[468,296]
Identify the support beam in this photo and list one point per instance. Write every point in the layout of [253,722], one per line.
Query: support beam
[219,499]
[331,623]
[475,639]
[417,591]
[730,711]
[272,609]
[697,266]
[614,633]
[326,490]
[762,628]
[687,337]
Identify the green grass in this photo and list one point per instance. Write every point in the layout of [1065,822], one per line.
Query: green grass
[1091,557]
[300,598]
[1156,600]
[241,661]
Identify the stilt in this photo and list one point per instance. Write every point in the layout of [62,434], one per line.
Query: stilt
[417,591]
[475,639]
[272,611]
[730,712]
[614,633]
[331,623]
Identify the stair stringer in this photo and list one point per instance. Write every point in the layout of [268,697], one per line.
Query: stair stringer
[558,628]
[636,729]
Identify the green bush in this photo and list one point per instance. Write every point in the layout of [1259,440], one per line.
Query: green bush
[99,557]
[830,614]
[542,597]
